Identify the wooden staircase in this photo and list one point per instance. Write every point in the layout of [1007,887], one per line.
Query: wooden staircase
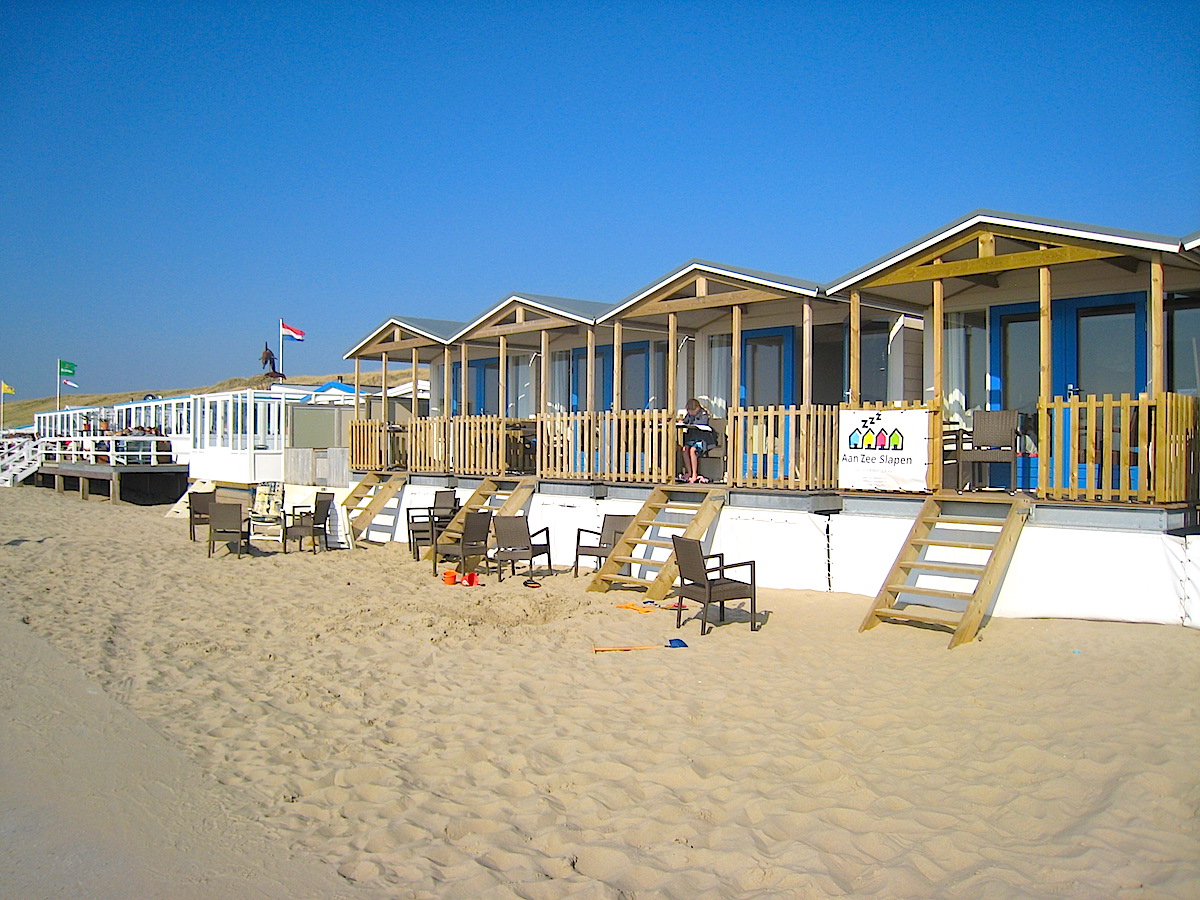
[951,566]
[686,510]
[377,488]
[500,496]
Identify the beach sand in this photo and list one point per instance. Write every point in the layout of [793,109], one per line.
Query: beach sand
[344,725]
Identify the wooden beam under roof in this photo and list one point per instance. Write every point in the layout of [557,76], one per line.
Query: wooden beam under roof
[528,327]
[413,343]
[915,273]
[707,301]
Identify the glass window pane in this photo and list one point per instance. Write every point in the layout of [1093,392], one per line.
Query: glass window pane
[1022,362]
[635,390]
[1183,354]
[720,361]
[1106,350]
[764,370]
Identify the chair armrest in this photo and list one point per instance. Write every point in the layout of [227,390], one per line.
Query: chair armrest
[580,532]
[719,567]
[738,565]
[545,531]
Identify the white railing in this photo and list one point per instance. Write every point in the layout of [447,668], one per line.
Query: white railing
[131,450]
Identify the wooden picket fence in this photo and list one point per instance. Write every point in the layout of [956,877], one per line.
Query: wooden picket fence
[1126,449]
[786,448]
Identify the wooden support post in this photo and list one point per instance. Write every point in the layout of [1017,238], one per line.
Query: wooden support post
[1044,383]
[416,402]
[463,409]
[1158,326]
[672,360]
[85,486]
[617,404]
[735,360]
[447,382]
[114,492]
[939,318]
[502,378]
[855,348]
[591,368]
[357,388]
[383,391]
[60,484]
[806,352]
[544,374]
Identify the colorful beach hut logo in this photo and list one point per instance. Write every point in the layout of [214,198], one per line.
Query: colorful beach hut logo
[869,436]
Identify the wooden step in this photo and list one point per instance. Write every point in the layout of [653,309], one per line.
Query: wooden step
[949,568]
[625,579]
[967,520]
[930,592]
[961,545]
[928,618]
[640,561]
[647,542]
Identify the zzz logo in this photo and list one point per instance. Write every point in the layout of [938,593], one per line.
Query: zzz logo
[869,437]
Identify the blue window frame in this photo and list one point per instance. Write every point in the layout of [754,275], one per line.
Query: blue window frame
[768,376]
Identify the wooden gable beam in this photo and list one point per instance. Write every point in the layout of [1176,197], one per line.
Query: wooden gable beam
[510,328]
[398,346]
[708,301]
[1032,259]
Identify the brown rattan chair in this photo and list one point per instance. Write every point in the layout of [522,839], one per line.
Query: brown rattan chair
[311,522]
[227,522]
[199,503]
[514,543]
[471,544]
[994,438]
[426,523]
[706,584]
[610,532]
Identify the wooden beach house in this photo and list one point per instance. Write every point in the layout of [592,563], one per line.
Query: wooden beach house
[843,410]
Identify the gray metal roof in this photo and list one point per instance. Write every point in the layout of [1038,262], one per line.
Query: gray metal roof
[788,282]
[584,311]
[990,216]
[441,330]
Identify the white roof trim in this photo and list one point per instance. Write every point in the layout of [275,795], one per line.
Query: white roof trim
[975,221]
[553,310]
[712,270]
[390,322]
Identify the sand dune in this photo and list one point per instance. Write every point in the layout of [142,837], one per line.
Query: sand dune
[423,740]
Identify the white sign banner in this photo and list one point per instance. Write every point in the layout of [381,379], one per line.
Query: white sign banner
[883,449]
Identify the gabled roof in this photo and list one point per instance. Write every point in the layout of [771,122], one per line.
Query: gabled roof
[767,280]
[578,311]
[1192,241]
[437,331]
[993,219]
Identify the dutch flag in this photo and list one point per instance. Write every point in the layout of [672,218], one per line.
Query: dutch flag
[288,333]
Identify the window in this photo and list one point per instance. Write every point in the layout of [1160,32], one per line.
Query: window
[965,355]
[1183,343]
[720,372]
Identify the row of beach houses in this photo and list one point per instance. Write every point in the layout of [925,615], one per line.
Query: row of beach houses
[845,411]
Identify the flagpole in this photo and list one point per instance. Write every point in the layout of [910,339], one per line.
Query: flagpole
[58,387]
[281,347]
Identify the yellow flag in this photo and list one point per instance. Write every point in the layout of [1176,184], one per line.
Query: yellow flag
[5,388]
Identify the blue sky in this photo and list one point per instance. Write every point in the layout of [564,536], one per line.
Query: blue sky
[176,177]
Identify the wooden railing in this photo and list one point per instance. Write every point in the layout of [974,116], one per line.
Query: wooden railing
[429,445]
[369,445]
[789,447]
[1125,449]
[1139,449]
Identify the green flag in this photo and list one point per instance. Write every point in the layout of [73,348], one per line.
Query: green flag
[66,368]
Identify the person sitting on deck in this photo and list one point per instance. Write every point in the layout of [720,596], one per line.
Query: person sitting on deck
[698,439]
